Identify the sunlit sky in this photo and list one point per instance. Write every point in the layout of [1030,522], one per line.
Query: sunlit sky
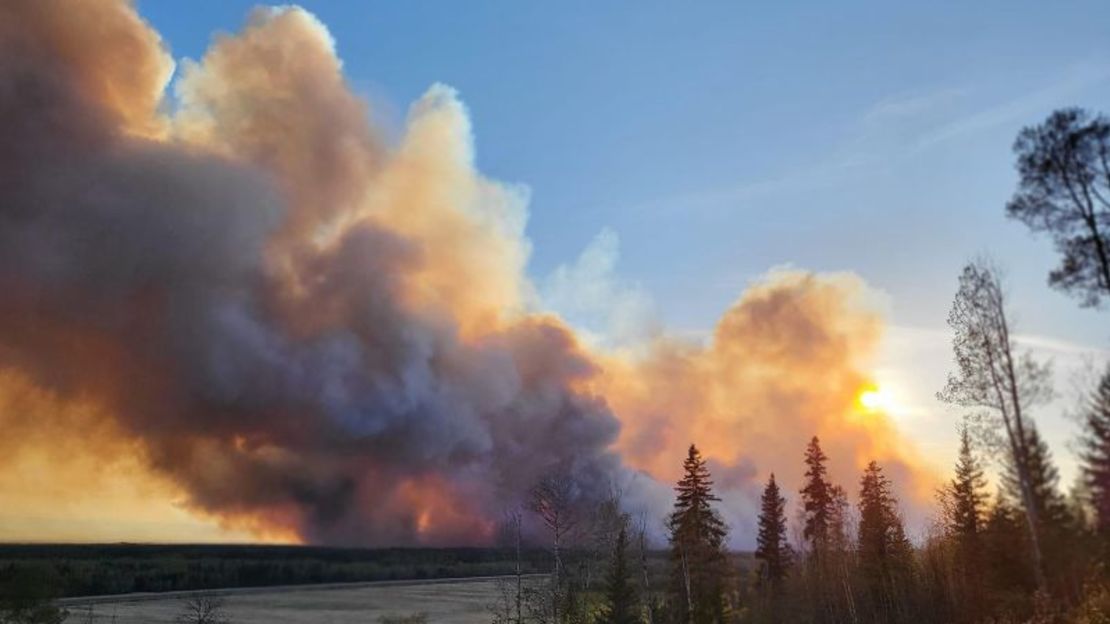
[715,142]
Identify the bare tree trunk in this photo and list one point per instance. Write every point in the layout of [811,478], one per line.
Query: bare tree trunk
[519,575]
[990,376]
[689,594]
[555,573]
[644,570]
[1022,450]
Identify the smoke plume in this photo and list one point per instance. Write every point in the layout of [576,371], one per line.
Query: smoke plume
[300,330]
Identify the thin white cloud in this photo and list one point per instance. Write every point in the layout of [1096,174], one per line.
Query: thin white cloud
[896,127]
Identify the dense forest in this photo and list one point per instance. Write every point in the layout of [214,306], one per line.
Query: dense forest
[92,570]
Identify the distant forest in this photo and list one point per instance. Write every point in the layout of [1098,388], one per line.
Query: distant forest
[88,570]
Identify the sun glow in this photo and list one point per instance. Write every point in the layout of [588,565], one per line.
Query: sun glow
[874,399]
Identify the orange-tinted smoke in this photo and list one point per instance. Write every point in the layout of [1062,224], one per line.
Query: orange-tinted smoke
[288,326]
[789,360]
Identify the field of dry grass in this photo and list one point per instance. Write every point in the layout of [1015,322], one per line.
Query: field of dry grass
[449,602]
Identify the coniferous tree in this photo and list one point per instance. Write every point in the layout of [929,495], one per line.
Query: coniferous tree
[965,519]
[1096,455]
[839,530]
[620,594]
[993,376]
[772,549]
[966,497]
[884,550]
[817,500]
[698,564]
[1050,506]
[1006,569]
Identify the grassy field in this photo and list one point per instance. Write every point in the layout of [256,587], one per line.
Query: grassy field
[450,602]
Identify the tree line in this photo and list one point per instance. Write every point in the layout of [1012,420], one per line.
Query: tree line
[1026,552]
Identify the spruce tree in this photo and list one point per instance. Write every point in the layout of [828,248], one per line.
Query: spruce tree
[1096,454]
[817,500]
[1008,570]
[620,594]
[965,521]
[884,550]
[698,563]
[772,549]
[966,497]
[1049,504]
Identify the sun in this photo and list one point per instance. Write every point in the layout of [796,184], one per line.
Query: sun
[874,399]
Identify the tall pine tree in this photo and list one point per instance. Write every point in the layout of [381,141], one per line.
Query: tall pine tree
[967,500]
[1050,505]
[817,499]
[620,593]
[884,551]
[699,567]
[965,521]
[771,547]
[1096,454]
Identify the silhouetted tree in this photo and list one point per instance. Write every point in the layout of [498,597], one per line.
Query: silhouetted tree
[1006,555]
[203,609]
[698,563]
[1064,190]
[967,499]
[964,519]
[771,548]
[620,595]
[817,500]
[991,376]
[884,551]
[1096,454]
[1044,481]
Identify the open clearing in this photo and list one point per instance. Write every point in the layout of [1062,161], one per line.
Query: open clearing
[451,602]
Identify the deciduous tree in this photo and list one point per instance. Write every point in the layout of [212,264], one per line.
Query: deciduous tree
[991,376]
[1064,190]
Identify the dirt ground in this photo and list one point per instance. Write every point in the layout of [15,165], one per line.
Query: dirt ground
[454,602]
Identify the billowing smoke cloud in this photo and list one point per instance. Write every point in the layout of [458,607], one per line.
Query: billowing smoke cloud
[784,363]
[303,330]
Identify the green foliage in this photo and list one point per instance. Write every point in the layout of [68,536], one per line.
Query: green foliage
[817,498]
[26,596]
[885,554]
[91,570]
[1064,171]
[699,569]
[1095,456]
[621,606]
[771,547]
[1051,508]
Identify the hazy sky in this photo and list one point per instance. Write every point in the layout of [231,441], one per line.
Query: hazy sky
[715,142]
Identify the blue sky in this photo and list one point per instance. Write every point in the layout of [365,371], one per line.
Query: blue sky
[718,140]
